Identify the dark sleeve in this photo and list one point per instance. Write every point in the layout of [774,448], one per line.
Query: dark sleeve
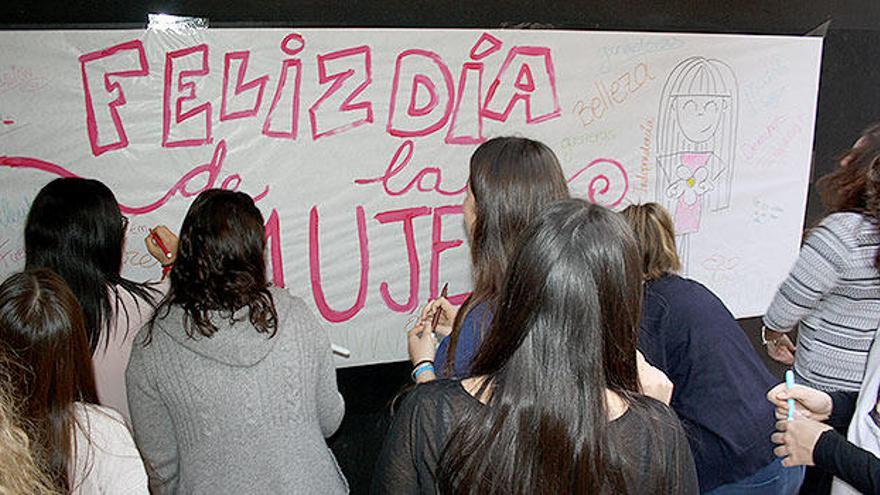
[842,409]
[651,334]
[681,471]
[405,465]
[858,467]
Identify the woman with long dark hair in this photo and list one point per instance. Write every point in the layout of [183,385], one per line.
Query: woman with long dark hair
[511,180]
[554,403]
[75,229]
[232,386]
[85,448]
[689,334]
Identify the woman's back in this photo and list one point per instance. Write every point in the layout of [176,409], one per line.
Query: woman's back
[833,291]
[428,416]
[106,459]
[237,412]
[720,381]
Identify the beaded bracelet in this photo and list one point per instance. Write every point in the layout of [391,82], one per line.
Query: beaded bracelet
[420,368]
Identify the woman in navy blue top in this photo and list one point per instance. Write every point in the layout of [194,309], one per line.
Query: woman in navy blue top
[511,180]
[720,382]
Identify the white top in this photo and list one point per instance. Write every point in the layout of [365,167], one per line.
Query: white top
[863,432]
[106,460]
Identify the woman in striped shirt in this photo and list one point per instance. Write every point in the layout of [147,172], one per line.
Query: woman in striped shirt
[833,291]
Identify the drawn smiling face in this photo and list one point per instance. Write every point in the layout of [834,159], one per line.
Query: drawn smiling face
[699,115]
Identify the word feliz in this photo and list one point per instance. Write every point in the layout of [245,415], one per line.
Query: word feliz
[424,95]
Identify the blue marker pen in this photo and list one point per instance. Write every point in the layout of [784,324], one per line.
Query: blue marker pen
[789,383]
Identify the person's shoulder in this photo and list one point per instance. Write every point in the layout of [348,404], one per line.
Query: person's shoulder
[845,225]
[671,287]
[654,415]
[286,304]
[432,394]
[102,425]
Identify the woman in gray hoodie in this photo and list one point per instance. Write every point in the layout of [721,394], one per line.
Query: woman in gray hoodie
[231,386]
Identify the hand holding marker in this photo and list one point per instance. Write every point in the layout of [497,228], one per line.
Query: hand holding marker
[158,241]
[789,383]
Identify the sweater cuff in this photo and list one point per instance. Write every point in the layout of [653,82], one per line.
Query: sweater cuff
[823,452]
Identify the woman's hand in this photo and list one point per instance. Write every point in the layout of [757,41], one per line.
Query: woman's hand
[809,402]
[796,440]
[655,383]
[780,347]
[422,346]
[447,310]
[169,240]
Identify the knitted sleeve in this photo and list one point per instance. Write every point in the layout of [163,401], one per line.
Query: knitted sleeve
[816,271]
[151,423]
[330,404]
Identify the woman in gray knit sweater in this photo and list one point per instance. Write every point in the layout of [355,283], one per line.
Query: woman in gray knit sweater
[231,385]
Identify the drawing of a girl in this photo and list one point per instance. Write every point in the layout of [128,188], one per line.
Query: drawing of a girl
[696,136]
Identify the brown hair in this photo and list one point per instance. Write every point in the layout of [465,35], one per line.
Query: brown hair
[512,179]
[220,265]
[43,329]
[655,235]
[855,185]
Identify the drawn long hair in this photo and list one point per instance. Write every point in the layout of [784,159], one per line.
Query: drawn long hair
[512,179]
[565,332]
[698,76]
[42,329]
[75,228]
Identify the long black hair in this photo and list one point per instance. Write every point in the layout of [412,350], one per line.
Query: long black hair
[512,180]
[43,331]
[564,334]
[221,265]
[75,228]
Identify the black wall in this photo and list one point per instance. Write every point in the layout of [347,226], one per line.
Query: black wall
[848,94]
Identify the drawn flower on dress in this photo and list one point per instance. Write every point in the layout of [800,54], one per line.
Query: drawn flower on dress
[691,184]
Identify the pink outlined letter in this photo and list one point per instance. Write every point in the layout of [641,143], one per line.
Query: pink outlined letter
[121,56]
[420,120]
[532,79]
[241,87]
[469,130]
[183,92]
[405,216]
[273,240]
[438,245]
[362,70]
[326,311]
[291,95]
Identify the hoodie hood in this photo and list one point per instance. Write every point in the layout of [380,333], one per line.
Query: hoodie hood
[235,343]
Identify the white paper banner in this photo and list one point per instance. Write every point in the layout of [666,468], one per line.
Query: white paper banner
[355,144]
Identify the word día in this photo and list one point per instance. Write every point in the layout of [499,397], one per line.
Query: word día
[612,95]
[425,97]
